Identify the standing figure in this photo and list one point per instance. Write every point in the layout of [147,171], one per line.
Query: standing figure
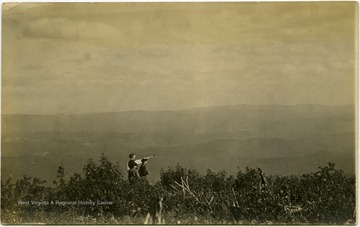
[133,173]
[133,165]
[142,170]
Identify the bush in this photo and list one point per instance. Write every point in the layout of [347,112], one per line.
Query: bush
[323,197]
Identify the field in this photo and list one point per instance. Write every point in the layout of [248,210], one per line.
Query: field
[100,194]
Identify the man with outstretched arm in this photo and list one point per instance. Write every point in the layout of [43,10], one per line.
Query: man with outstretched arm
[132,166]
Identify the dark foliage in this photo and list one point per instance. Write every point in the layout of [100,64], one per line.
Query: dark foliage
[324,197]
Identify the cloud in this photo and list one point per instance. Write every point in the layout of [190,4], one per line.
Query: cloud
[155,52]
[61,28]
[156,58]
[31,67]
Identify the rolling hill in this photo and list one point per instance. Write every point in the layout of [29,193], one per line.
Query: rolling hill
[280,139]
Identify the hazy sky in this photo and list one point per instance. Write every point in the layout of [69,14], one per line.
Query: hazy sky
[100,57]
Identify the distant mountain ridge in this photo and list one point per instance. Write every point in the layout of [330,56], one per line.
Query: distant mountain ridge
[226,137]
[220,119]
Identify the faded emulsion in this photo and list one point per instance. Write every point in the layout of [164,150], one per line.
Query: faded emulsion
[179,113]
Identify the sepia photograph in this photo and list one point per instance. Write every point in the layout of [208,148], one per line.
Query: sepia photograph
[179,113]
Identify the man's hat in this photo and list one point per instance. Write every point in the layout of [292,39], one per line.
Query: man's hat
[144,159]
[131,155]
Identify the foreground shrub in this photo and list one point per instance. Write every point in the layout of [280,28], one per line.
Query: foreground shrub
[323,197]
